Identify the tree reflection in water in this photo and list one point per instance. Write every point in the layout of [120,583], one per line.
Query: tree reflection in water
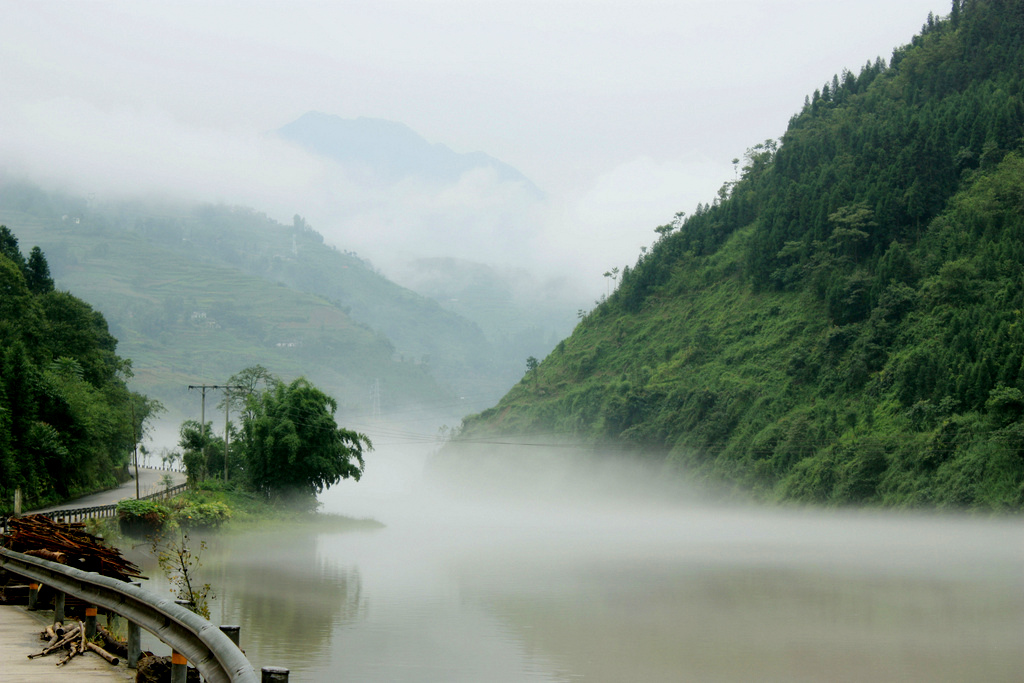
[286,597]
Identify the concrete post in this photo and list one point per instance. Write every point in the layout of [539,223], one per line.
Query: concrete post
[134,644]
[17,502]
[33,595]
[179,667]
[232,632]
[134,639]
[90,622]
[58,608]
[274,674]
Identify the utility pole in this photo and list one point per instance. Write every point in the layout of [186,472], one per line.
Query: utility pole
[202,420]
[202,416]
[135,450]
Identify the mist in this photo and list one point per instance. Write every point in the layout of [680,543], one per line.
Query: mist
[621,115]
[539,562]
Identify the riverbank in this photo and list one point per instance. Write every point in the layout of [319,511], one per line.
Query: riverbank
[211,508]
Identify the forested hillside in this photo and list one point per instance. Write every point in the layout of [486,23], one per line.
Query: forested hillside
[843,322]
[67,420]
[196,293]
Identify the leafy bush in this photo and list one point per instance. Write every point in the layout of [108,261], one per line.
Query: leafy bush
[141,517]
[203,515]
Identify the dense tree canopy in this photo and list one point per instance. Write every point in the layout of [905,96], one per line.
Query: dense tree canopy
[68,422]
[293,444]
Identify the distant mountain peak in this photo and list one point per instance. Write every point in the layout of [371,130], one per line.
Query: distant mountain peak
[389,149]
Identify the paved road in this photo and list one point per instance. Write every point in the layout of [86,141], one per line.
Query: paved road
[150,481]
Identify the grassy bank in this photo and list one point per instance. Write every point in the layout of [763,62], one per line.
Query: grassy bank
[213,507]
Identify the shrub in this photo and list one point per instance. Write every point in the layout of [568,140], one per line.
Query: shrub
[203,515]
[141,517]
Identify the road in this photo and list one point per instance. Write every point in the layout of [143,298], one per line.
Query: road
[150,481]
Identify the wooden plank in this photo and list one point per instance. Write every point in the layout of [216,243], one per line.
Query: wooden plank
[19,637]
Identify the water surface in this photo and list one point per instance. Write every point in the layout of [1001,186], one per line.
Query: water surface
[557,582]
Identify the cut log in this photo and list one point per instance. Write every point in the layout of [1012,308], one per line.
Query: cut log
[50,635]
[103,653]
[51,555]
[111,642]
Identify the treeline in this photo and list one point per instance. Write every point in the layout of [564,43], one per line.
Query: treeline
[841,324]
[287,446]
[68,422]
[878,154]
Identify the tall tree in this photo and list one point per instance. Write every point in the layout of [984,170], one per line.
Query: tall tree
[293,444]
[37,272]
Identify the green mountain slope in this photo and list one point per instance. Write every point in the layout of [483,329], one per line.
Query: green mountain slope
[184,315]
[843,323]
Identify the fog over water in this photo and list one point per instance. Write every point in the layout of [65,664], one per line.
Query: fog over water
[539,566]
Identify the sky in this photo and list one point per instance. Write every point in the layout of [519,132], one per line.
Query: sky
[623,113]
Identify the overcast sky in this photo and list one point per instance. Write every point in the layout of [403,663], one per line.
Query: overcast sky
[622,112]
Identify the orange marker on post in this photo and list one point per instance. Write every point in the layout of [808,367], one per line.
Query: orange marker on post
[33,595]
[179,667]
[90,622]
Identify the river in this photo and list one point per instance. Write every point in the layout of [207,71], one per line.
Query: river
[520,574]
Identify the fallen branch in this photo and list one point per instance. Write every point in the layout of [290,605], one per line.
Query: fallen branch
[71,653]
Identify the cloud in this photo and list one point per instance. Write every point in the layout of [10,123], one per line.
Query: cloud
[122,152]
[606,225]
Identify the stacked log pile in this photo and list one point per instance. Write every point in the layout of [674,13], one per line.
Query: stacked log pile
[67,543]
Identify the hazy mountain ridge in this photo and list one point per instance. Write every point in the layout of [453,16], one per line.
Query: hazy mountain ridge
[390,150]
[196,293]
[841,324]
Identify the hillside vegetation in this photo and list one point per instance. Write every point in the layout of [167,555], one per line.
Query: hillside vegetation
[195,294]
[68,422]
[843,323]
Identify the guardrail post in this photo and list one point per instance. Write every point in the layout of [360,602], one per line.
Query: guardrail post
[274,674]
[58,608]
[33,595]
[232,632]
[90,622]
[191,637]
[179,667]
[134,638]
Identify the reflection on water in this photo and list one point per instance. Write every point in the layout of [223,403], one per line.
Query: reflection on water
[599,588]
[286,597]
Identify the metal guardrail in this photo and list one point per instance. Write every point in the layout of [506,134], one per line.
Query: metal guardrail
[96,511]
[212,652]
